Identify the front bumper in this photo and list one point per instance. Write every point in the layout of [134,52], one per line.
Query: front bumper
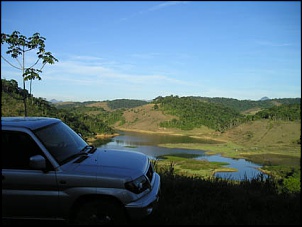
[146,205]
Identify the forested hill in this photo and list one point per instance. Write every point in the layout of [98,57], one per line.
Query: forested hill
[125,103]
[110,104]
[12,98]
[235,104]
[246,105]
[194,112]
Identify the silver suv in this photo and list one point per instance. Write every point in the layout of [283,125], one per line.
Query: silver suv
[50,172]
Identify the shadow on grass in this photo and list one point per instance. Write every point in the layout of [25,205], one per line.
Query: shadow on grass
[195,201]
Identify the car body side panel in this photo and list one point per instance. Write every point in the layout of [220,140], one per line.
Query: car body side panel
[21,189]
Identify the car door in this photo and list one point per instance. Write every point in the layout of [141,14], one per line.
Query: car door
[26,192]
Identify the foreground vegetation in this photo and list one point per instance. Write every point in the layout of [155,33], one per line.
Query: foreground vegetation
[282,163]
[195,201]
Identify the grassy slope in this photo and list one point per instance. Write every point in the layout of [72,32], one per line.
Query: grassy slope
[254,140]
[146,119]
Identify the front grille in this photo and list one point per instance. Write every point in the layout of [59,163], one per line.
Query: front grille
[150,172]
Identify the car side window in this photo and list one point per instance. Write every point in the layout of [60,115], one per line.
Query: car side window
[16,149]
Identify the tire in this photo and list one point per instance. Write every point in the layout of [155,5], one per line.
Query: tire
[100,212]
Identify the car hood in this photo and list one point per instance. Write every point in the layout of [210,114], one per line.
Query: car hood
[112,163]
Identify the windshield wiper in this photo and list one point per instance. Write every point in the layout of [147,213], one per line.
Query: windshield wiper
[74,156]
[89,148]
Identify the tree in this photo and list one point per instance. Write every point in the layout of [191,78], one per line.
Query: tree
[18,46]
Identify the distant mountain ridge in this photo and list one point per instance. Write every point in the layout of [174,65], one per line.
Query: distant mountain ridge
[264,98]
[54,101]
[246,106]
[238,105]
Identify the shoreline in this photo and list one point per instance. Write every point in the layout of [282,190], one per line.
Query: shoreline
[227,149]
[173,133]
[100,136]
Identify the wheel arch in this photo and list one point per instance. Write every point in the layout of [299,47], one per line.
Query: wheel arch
[90,198]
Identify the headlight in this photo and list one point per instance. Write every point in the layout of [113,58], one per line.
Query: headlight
[138,185]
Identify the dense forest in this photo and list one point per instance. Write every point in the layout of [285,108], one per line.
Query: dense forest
[125,103]
[195,112]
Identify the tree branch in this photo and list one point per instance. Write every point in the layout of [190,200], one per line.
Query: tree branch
[35,63]
[10,63]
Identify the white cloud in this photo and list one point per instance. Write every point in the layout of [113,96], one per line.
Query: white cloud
[166,4]
[272,44]
[91,71]
[155,8]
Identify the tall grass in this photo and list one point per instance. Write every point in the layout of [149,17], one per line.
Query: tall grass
[213,201]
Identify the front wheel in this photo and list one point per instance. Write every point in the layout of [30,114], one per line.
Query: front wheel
[100,212]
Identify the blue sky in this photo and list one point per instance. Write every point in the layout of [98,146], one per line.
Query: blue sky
[145,49]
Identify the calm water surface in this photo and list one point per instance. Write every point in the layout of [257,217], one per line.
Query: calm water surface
[148,144]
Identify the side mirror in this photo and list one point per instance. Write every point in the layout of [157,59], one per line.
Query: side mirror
[37,162]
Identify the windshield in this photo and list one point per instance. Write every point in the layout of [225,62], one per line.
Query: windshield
[61,141]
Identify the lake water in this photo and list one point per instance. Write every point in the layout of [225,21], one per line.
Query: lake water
[148,144]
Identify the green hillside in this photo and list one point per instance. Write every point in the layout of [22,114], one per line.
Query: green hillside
[187,113]
[12,105]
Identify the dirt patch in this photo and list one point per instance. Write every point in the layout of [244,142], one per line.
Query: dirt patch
[103,105]
[144,119]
